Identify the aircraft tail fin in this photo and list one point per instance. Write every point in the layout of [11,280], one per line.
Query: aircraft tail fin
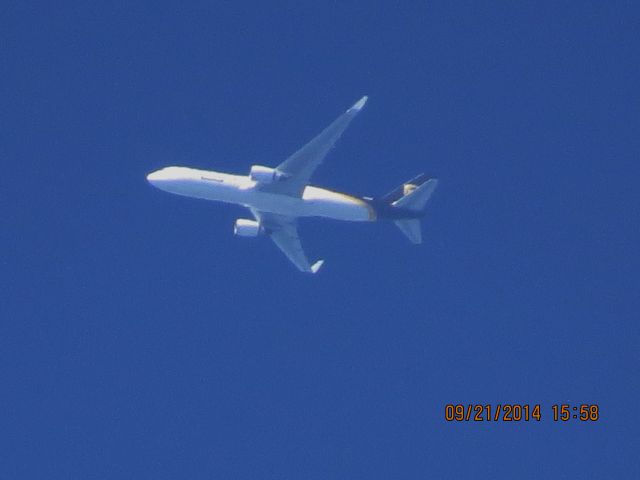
[403,189]
[416,196]
[411,198]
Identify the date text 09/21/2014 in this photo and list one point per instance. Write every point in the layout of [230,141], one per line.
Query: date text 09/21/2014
[514,412]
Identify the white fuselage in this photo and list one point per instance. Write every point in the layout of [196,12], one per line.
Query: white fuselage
[242,190]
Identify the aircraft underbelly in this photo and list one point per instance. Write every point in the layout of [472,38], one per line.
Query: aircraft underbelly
[315,203]
[208,190]
[340,210]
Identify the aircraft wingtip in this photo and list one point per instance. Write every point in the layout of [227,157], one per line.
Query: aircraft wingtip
[360,103]
[316,266]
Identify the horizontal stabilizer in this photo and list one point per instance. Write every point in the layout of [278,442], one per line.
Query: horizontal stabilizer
[411,229]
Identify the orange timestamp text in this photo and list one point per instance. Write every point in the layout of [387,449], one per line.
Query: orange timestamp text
[519,412]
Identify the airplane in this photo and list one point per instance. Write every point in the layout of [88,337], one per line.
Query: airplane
[278,196]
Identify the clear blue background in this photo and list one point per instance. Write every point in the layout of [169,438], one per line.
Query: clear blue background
[140,339]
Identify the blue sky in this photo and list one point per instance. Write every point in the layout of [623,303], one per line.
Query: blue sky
[139,338]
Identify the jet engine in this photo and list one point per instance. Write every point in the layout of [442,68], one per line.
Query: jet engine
[247,228]
[262,174]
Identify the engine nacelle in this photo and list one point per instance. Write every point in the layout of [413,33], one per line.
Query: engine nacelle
[247,228]
[261,174]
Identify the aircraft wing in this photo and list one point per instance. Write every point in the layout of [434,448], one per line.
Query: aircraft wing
[284,233]
[299,167]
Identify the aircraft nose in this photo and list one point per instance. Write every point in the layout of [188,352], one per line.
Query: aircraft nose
[154,177]
[166,177]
